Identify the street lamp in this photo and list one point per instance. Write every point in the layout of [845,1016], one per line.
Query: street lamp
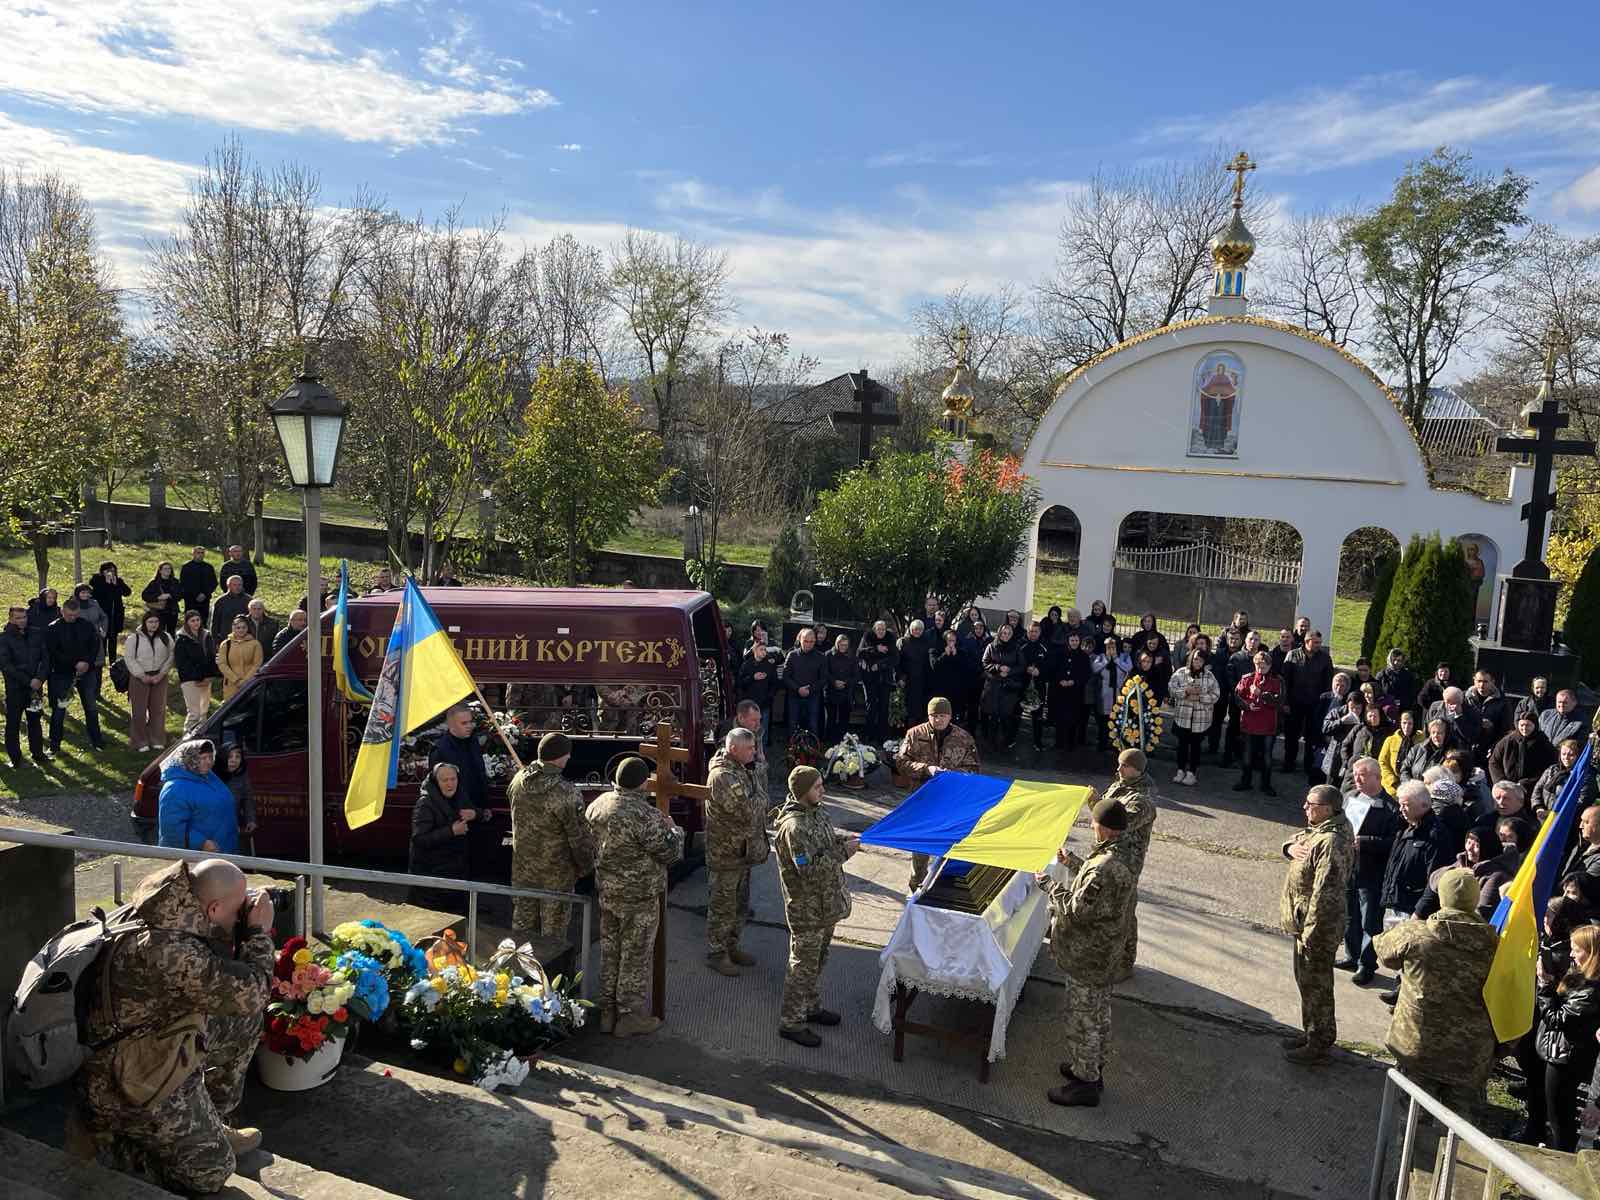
[310,424]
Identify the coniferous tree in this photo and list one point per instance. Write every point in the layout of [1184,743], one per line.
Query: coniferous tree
[1433,618]
[1397,599]
[1582,630]
[1377,609]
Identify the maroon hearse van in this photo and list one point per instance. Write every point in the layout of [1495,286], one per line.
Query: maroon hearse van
[604,666]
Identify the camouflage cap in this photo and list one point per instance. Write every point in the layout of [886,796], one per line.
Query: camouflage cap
[802,780]
[1111,814]
[940,705]
[553,746]
[1458,889]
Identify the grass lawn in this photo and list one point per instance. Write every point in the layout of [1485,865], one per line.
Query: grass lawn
[1344,639]
[648,541]
[78,768]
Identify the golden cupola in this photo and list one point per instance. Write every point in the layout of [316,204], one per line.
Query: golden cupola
[1232,249]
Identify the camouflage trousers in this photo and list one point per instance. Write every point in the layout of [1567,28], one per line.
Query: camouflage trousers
[802,984]
[627,954]
[919,870]
[1467,1099]
[1087,1024]
[730,897]
[547,918]
[179,1143]
[1130,942]
[1313,975]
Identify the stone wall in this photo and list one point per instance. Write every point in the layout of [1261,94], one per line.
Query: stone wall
[363,544]
[1181,597]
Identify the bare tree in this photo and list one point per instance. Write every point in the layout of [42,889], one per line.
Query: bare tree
[1134,254]
[1010,358]
[568,300]
[1313,278]
[672,294]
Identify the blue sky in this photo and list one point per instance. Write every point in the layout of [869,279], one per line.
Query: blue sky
[853,159]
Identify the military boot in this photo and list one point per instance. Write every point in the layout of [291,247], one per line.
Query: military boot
[801,1037]
[608,1020]
[632,1024]
[740,958]
[722,966]
[1078,1093]
[1308,1056]
[242,1140]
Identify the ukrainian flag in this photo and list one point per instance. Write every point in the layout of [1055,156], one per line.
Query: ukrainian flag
[343,670]
[1508,992]
[980,819]
[422,676]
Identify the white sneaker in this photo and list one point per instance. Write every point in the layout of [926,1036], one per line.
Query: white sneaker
[1190,779]
[1178,778]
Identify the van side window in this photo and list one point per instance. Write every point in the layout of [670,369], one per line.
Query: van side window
[282,728]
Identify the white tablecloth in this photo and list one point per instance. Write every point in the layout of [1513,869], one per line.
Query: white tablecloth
[975,956]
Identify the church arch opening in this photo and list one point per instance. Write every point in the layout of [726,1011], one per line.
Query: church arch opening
[1055,572]
[1363,556]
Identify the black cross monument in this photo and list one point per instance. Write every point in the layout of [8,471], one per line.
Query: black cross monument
[865,393]
[1528,595]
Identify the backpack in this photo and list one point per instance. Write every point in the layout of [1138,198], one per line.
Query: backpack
[121,676]
[49,1012]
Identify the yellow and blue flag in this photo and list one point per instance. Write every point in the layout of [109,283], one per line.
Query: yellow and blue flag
[980,819]
[344,673]
[422,676]
[1508,993]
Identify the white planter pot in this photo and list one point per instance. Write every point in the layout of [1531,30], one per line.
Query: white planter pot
[283,1074]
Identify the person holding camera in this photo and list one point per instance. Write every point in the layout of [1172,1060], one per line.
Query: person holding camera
[175,1029]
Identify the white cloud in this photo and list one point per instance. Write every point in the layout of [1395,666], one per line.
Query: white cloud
[270,66]
[930,154]
[135,196]
[1390,115]
[550,18]
[570,147]
[1582,194]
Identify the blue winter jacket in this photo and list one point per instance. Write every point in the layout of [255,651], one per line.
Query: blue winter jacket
[195,809]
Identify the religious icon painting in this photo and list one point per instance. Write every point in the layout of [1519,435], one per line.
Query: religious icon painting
[1483,560]
[1214,406]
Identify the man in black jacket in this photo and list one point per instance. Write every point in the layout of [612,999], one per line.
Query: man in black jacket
[458,746]
[198,579]
[1038,657]
[878,656]
[234,602]
[263,626]
[1307,675]
[72,645]
[1564,719]
[108,589]
[1375,834]
[1489,715]
[237,564]
[912,665]
[802,675]
[22,663]
[1422,847]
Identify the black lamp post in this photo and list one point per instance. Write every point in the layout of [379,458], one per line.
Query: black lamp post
[310,423]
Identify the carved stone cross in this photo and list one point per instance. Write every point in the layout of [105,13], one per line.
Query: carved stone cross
[665,787]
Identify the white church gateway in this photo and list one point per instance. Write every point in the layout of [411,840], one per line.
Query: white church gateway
[1233,415]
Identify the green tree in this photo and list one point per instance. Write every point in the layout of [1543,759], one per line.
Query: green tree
[786,568]
[1432,607]
[580,468]
[1582,630]
[918,523]
[1371,631]
[1427,257]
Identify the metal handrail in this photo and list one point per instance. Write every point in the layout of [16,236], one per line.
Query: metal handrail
[1457,1130]
[279,866]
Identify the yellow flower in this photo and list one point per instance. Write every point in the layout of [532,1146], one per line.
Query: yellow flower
[459,1066]
[438,984]
[502,980]
[302,956]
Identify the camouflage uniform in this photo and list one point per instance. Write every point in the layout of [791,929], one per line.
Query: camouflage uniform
[736,840]
[204,1007]
[1138,797]
[811,856]
[635,843]
[1440,1033]
[1087,929]
[923,748]
[1313,909]
[551,846]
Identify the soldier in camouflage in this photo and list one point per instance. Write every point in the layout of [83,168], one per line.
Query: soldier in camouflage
[1440,1033]
[1087,928]
[736,840]
[636,843]
[155,1102]
[551,845]
[935,745]
[748,715]
[811,857]
[1313,908]
[1137,793]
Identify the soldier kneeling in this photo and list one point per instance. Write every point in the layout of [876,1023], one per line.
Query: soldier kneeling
[194,995]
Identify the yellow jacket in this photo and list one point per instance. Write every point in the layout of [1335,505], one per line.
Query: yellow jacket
[1392,755]
[238,659]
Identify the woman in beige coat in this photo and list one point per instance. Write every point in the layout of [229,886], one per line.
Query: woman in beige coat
[239,657]
[148,652]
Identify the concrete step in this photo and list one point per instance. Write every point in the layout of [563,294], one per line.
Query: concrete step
[31,1169]
[1474,1176]
[570,1130]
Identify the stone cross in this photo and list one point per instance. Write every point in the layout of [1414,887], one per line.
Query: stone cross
[1544,420]
[864,393]
[1239,165]
[664,786]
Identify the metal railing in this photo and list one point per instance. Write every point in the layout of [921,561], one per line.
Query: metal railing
[1457,1130]
[1204,559]
[299,872]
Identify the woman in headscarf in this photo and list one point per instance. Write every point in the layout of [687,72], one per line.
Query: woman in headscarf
[196,810]
[439,844]
[231,770]
[44,609]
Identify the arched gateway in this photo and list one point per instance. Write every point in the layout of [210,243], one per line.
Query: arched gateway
[1234,415]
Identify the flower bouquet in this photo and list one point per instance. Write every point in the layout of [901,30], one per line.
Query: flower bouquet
[392,953]
[850,761]
[316,998]
[490,1019]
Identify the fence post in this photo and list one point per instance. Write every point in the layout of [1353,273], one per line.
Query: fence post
[587,986]
[1380,1152]
[116,883]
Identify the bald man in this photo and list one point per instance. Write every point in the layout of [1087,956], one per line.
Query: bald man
[155,1102]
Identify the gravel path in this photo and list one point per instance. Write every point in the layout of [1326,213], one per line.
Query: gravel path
[84,813]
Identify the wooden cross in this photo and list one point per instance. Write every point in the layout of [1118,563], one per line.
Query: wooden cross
[864,392]
[665,786]
[1544,447]
[1239,166]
